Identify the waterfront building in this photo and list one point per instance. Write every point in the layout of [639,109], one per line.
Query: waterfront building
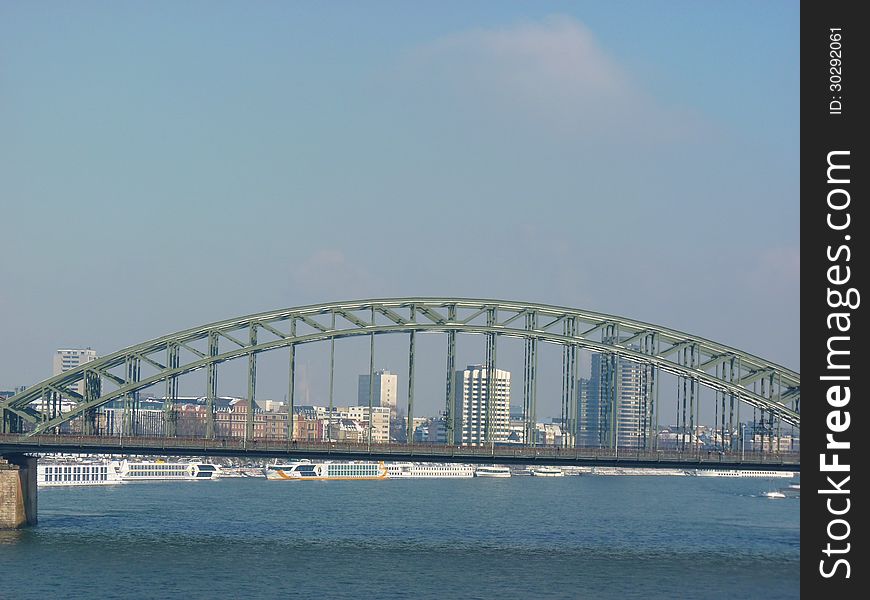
[231,421]
[478,418]
[70,358]
[548,434]
[380,420]
[419,421]
[517,429]
[614,404]
[142,421]
[308,429]
[430,430]
[347,430]
[384,391]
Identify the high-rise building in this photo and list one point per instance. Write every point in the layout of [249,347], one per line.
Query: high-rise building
[587,418]
[614,405]
[477,418]
[70,358]
[384,390]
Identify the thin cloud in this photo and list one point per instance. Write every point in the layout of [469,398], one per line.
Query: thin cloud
[551,74]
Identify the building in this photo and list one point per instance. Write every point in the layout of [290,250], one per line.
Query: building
[614,416]
[4,394]
[347,430]
[308,429]
[384,391]
[380,420]
[479,419]
[70,358]
[548,434]
[318,423]
[588,417]
[430,430]
[143,421]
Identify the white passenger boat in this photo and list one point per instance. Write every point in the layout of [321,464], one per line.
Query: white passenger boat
[546,472]
[408,470]
[741,473]
[774,494]
[159,470]
[303,470]
[59,474]
[492,471]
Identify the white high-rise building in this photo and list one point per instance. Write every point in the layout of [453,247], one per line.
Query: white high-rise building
[385,391]
[472,403]
[70,358]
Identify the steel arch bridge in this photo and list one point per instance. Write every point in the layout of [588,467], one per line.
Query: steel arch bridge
[696,362]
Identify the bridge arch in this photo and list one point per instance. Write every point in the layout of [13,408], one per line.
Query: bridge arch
[117,376]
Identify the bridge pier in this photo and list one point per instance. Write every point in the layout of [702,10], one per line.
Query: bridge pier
[17,491]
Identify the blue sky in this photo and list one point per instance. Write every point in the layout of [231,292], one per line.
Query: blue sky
[164,165]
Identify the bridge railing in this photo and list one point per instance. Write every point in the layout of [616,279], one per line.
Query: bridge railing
[129,445]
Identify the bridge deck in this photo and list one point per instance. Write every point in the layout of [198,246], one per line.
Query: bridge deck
[13,444]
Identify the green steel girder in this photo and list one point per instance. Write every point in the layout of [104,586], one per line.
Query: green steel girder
[312,323]
[71,394]
[110,376]
[474,315]
[271,330]
[157,365]
[237,342]
[391,315]
[349,317]
[428,318]
[432,314]
[191,349]
[555,321]
[518,315]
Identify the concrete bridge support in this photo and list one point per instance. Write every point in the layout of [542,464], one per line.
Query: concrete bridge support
[17,491]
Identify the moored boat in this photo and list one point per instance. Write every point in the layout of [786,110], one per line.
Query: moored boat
[492,471]
[160,470]
[302,470]
[546,472]
[741,473]
[61,474]
[408,470]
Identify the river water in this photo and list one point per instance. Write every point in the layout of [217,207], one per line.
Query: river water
[523,537]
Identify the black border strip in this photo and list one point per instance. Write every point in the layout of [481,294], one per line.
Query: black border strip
[833,98]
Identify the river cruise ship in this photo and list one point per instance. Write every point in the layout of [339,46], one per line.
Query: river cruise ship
[740,473]
[159,470]
[109,472]
[58,474]
[407,470]
[303,470]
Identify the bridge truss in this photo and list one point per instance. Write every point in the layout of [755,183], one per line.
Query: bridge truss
[735,376]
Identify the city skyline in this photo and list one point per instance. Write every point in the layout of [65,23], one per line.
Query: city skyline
[590,407]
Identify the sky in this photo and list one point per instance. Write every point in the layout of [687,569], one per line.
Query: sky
[165,165]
